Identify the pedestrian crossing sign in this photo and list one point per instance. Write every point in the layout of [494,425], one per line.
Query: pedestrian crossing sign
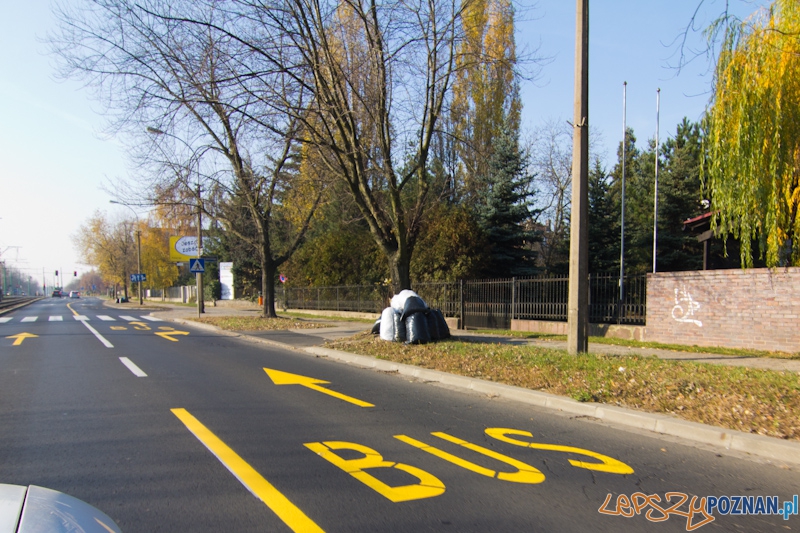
[197,266]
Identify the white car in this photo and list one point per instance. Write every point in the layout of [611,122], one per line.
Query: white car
[74,294]
[35,509]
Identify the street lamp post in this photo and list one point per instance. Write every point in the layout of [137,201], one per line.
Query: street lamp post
[198,275]
[138,249]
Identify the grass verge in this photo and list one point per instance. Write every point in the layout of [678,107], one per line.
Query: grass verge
[257,323]
[756,401]
[611,341]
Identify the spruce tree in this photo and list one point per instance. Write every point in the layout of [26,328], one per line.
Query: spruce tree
[603,223]
[504,210]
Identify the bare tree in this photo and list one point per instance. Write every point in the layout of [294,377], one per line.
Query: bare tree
[378,77]
[173,68]
[551,160]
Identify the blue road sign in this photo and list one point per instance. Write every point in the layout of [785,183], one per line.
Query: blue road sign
[135,278]
[197,266]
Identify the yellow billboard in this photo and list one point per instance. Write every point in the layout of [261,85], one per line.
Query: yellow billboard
[181,249]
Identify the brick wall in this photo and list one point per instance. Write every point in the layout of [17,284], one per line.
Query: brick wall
[754,308]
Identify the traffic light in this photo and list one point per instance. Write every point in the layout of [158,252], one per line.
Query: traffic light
[75,273]
[56,272]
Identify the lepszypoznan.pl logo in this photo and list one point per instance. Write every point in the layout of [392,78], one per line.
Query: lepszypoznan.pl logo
[699,511]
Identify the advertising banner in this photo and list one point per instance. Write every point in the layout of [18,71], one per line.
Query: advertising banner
[181,249]
[226,280]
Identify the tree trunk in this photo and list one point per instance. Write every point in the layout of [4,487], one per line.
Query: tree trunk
[268,269]
[400,270]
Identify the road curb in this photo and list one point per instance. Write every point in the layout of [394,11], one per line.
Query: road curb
[769,448]
[761,446]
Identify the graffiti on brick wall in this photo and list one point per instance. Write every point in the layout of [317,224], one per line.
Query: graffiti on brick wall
[685,307]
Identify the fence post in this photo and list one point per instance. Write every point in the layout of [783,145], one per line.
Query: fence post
[463,322]
[513,297]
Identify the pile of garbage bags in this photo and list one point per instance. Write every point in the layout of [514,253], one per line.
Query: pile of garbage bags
[409,319]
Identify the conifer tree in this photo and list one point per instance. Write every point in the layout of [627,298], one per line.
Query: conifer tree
[504,210]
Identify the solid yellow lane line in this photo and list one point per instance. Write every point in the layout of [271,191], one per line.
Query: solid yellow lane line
[247,475]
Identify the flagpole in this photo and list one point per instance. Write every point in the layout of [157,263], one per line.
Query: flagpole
[655,188]
[622,216]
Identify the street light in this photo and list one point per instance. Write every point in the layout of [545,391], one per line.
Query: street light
[138,249]
[198,275]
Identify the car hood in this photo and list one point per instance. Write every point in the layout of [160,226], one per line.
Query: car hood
[35,509]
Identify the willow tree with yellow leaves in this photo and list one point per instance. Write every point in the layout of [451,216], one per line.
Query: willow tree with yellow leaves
[752,160]
[486,90]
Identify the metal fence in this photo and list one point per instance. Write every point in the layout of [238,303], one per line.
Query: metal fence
[489,303]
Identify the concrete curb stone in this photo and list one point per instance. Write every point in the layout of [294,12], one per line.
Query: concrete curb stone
[770,448]
[758,445]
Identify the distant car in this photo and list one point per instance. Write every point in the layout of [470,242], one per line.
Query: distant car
[74,294]
[57,294]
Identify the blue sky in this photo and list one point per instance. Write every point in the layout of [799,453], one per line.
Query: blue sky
[54,157]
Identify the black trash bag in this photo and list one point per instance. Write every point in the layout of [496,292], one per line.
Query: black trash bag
[433,325]
[400,331]
[414,304]
[376,327]
[441,324]
[417,329]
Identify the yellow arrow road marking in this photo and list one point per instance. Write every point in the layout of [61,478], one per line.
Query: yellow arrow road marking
[19,337]
[168,334]
[285,378]
[262,489]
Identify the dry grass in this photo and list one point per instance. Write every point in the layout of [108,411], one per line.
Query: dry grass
[757,401]
[257,323]
[611,341]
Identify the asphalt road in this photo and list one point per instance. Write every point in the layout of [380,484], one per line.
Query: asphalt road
[166,427]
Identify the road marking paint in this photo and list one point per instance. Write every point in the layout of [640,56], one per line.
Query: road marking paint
[5,319]
[606,464]
[141,326]
[525,473]
[81,318]
[259,487]
[168,334]
[152,318]
[106,318]
[29,318]
[118,328]
[138,372]
[96,334]
[429,486]
[128,318]
[285,378]
[19,337]
[56,318]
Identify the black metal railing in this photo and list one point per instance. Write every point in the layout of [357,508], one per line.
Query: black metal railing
[489,303]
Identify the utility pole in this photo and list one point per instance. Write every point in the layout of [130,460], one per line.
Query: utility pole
[200,299]
[139,259]
[578,305]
